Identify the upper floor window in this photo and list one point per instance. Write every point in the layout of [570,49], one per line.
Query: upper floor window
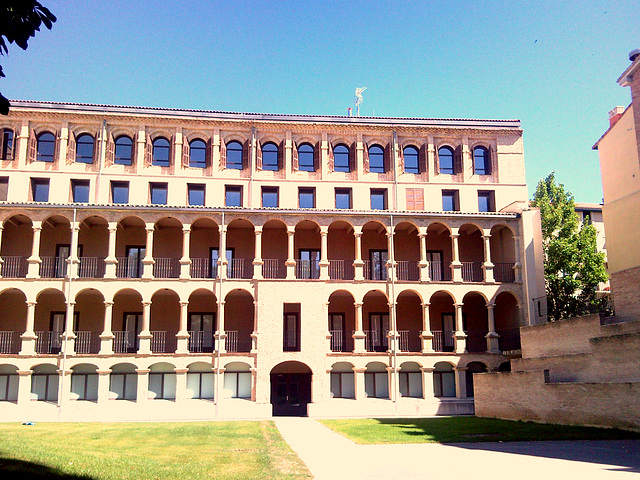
[378,199]
[161,152]
[445,160]
[270,156]
[306,159]
[84,148]
[123,150]
[6,149]
[119,192]
[80,191]
[486,202]
[376,159]
[343,198]
[46,143]
[481,161]
[411,159]
[4,189]
[341,158]
[195,194]
[158,193]
[270,197]
[450,201]
[40,189]
[197,153]
[234,155]
[233,196]
[307,197]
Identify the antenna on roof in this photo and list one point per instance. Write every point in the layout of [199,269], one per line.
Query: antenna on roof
[359,91]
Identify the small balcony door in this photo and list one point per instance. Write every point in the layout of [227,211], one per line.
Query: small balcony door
[378,259]
[309,264]
[201,328]
[213,262]
[133,326]
[135,254]
[62,254]
[336,327]
[436,265]
[291,334]
[378,330]
[448,329]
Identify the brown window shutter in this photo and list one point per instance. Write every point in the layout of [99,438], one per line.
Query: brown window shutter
[419,198]
[11,155]
[111,151]
[411,200]
[489,164]
[258,155]
[71,149]
[32,150]
[223,155]
[186,151]
[246,155]
[457,160]
[316,157]
[330,161]
[207,153]
[148,151]
[387,158]
[401,159]
[295,160]
[436,159]
[172,151]
[422,158]
[134,149]
[353,158]
[365,159]
[281,154]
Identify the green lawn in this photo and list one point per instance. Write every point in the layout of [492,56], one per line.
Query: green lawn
[464,429]
[211,450]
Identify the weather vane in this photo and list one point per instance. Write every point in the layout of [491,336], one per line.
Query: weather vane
[359,91]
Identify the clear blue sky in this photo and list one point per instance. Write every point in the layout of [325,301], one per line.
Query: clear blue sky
[551,64]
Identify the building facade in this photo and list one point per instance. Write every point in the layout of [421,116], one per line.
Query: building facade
[244,265]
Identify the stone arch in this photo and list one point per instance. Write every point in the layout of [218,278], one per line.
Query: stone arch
[442,320]
[444,380]
[274,248]
[290,388]
[8,383]
[162,381]
[44,382]
[241,248]
[410,380]
[84,382]
[375,321]
[342,380]
[237,380]
[471,247]
[341,250]
[376,380]
[13,319]
[507,320]
[164,320]
[503,253]
[475,321]
[239,312]
[439,251]
[123,382]
[472,368]
[341,320]
[167,247]
[17,239]
[409,320]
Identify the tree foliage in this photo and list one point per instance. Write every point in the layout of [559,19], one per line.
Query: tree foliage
[573,267]
[19,21]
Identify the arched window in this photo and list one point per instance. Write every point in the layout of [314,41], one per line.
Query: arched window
[123,150]
[197,153]
[305,158]
[411,157]
[84,148]
[270,156]
[341,158]
[445,159]
[376,159]
[6,149]
[481,161]
[46,143]
[161,152]
[234,155]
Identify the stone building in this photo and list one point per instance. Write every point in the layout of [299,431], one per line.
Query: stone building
[163,263]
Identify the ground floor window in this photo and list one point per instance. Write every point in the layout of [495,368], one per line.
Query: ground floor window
[44,386]
[123,385]
[163,385]
[200,385]
[444,384]
[342,385]
[84,386]
[8,388]
[410,384]
[237,384]
[376,384]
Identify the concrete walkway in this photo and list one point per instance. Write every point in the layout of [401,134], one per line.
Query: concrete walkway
[331,456]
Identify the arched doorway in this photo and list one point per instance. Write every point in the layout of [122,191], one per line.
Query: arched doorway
[473,367]
[290,389]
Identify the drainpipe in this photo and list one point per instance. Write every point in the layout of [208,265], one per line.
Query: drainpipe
[216,395]
[394,145]
[101,159]
[394,329]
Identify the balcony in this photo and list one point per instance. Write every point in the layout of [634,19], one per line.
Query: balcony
[408,271]
[91,267]
[472,271]
[163,342]
[125,342]
[204,268]
[307,269]
[503,272]
[442,341]
[409,341]
[48,342]
[129,267]
[87,342]
[14,267]
[338,341]
[375,272]
[53,267]
[166,268]
[438,272]
[509,339]
[240,268]
[201,341]
[9,342]
[274,268]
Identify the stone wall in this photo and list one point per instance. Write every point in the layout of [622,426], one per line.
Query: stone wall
[625,285]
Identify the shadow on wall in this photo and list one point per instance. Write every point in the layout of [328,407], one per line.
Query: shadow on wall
[12,469]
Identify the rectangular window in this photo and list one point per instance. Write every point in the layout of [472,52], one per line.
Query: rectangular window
[233,196]
[343,199]
[415,199]
[291,328]
[378,199]
[158,193]
[486,201]
[307,197]
[450,201]
[4,189]
[40,189]
[80,191]
[195,194]
[6,149]
[270,197]
[119,192]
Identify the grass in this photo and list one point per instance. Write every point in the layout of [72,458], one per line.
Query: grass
[465,429]
[211,450]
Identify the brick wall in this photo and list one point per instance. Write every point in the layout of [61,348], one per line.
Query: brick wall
[626,293]
[569,336]
[635,100]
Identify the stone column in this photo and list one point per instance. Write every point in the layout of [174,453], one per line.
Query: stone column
[391,262]
[254,382]
[257,258]
[456,265]
[103,385]
[22,145]
[145,335]
[73,261]
[291,262]
[358,379]
[492,336]
[148,261]
[24,387]
[358,263]
[182,337]
[222,253]
[220,335]
[64,386]
[461,382]
[424,263]
[517,266]
[34,260]
[324,155]
[460,336]
[393,335]
[324,259]
[391,379]
[29,336]
[142,393]
[106,339]
[68,336]
[185,261]
[254,333]
[1,259]
[358,335]
[487,266]
[427,382]
[431,159]
[426,335]
[111,261]
[181,384]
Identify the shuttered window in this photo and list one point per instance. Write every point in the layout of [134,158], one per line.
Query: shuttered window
[415,199]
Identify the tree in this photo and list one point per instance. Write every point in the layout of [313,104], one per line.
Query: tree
[19,21]
[573,267]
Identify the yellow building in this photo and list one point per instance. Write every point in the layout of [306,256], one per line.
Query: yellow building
[163,263]
[619,150]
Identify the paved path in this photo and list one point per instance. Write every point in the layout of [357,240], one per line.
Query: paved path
[329,455]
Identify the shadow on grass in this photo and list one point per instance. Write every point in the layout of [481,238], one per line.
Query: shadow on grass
[12,469]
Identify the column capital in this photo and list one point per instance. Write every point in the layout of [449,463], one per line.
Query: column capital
[31,304]
[454,231]
[184,304]
[291,230]
[108,304]
[71,304]
[357,230]
[491,306]
[186,228]
[425,304]
[257,230]
[324,229]
[149,226]
[427,369]
[458,305]
[358,304]
[146,303]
